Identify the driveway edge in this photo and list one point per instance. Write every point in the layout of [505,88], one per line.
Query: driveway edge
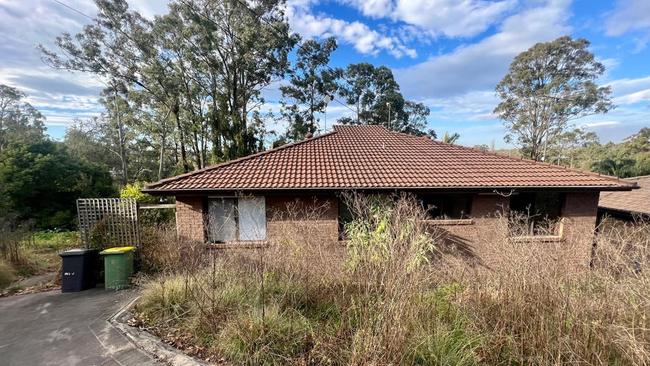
[148,342]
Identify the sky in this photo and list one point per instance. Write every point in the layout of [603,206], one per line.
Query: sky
[448,54]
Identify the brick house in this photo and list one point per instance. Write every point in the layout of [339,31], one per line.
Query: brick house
[462,189]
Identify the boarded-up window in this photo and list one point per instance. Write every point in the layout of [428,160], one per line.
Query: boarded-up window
[232,219]
[222,222]
[252,218]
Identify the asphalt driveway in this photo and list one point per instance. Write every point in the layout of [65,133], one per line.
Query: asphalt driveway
[53,328]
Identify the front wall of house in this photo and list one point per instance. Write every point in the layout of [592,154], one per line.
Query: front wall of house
[470,239]
[189,218]
[315,219]
[579,212]
[486,239]
[308,217]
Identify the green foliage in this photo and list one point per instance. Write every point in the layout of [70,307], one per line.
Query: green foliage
[133,190]
[375,95]
[269,340]
[381,234]
[445,338]
[310,83]
[40,181]
[151,217]
[56,240]
[450,138]
[629,158]
[19,121]
[163,300]
[183,85]
[546,87]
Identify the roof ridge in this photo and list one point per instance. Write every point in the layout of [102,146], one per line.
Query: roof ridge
[233,161]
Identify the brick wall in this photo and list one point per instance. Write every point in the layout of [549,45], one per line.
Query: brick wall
[471,240]
[579,222]
[314,219]
[189,218]
[486,240]
[306,218]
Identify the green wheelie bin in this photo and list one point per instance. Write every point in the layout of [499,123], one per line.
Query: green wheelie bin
[118,267]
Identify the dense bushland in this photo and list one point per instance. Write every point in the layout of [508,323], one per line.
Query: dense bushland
[397,293]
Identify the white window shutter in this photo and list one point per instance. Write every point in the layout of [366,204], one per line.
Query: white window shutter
[222,223]
[252,218]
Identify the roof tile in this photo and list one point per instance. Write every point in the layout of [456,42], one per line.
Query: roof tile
[636,201]
[373,157]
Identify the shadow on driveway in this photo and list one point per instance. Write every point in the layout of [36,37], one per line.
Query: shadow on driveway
[53,328]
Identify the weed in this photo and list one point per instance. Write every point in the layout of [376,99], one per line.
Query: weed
[396,295]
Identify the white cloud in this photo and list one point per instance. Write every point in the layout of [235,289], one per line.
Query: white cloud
[630,91]
[629,15]
[600,124]
[61,96]
[480,66]
[471,106]
[364,39]
[618,123]
[449,17]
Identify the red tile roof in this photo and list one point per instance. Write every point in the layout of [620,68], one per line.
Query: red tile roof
[636,201]
[373,157]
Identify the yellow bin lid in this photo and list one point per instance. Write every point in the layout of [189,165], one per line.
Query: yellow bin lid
[118,250]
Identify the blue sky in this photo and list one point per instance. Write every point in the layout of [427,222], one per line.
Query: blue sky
[447,54]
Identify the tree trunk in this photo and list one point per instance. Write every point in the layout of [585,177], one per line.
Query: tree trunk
[122,149]
[161,155]
[121,143]
[186,166]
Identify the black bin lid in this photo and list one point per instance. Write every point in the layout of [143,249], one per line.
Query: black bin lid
[77,251]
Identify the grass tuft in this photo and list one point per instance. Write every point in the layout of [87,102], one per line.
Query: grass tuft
[395,295]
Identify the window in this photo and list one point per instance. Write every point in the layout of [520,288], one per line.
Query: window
[447,206]
[233,219]
[535,213]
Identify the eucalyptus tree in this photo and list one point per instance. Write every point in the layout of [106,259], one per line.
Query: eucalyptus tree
[240,48]
[375,95]
[357,89]
[547,87]
[18,119]
[201,66]
[115,130]
[311,82]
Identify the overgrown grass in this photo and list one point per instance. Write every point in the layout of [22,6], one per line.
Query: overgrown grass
[393,296]
[26,253]
[56,240]
[7,275]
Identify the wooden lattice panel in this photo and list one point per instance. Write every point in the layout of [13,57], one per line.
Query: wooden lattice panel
[108,222]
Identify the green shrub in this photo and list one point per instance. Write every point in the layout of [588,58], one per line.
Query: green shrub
[151,216]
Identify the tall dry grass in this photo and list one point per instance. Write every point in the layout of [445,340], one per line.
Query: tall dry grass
[392,294]
[538,306]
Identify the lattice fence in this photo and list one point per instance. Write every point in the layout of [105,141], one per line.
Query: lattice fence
[108,222]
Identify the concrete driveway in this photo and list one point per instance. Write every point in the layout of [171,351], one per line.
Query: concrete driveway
[53,328]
